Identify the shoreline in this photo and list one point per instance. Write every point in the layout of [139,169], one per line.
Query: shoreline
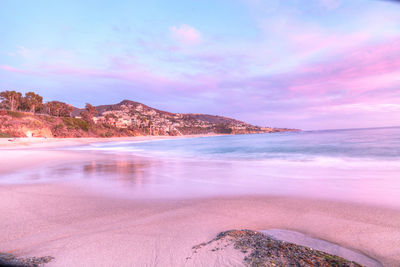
[40,142]
[78,226]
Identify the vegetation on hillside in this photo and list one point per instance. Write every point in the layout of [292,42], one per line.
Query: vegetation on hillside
[4,135]
[27,115]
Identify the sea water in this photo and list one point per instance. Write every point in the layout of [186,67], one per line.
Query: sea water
[359,165]
[361,144]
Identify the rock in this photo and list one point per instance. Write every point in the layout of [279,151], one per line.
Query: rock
[261,250]
[10,260]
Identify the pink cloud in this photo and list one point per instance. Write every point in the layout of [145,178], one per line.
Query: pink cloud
[376,65]
[186,34]
[10,69]
[16,70]
[359,81]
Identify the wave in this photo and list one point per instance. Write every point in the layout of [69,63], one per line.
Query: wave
[327,148]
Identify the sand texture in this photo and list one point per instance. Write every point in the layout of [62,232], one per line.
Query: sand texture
[81,227]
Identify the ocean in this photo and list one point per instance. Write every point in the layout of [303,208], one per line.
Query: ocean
[361,144]
[358,165]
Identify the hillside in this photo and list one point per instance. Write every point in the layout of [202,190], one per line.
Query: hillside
[127,118]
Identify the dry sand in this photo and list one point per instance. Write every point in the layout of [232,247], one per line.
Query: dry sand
[81,228]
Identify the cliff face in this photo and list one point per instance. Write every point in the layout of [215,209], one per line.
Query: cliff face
[127,118]
[21,124]
[17,124]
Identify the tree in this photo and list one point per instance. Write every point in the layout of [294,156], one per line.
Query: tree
[32,101]
[59,109]
[91,109]
[52,108]
[66,110]
[11,99]
[89,113]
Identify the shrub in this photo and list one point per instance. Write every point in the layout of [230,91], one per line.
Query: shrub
[75,123]
[48,118]
[5,135]
[58,130]
[16,114]
[35,124]
[107,134]
[223,129]
[59,126]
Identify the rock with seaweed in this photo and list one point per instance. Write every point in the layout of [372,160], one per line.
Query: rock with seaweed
[261,250]
[10,260]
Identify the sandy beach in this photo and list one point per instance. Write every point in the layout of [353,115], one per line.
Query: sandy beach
[81,227]
[40,142]
[247,133]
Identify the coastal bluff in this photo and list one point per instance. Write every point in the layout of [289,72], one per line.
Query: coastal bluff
[127,118]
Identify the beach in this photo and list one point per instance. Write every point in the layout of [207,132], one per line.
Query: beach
[40,142]
[220,133]
[81,226]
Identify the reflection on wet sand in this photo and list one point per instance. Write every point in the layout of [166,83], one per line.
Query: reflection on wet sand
[127,175]
[121,170]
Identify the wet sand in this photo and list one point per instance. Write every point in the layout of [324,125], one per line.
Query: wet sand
[81,227]
[40,142]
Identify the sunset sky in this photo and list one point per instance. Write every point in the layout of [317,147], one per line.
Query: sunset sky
[306,64]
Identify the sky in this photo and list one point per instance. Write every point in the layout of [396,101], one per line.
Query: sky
[315,64]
